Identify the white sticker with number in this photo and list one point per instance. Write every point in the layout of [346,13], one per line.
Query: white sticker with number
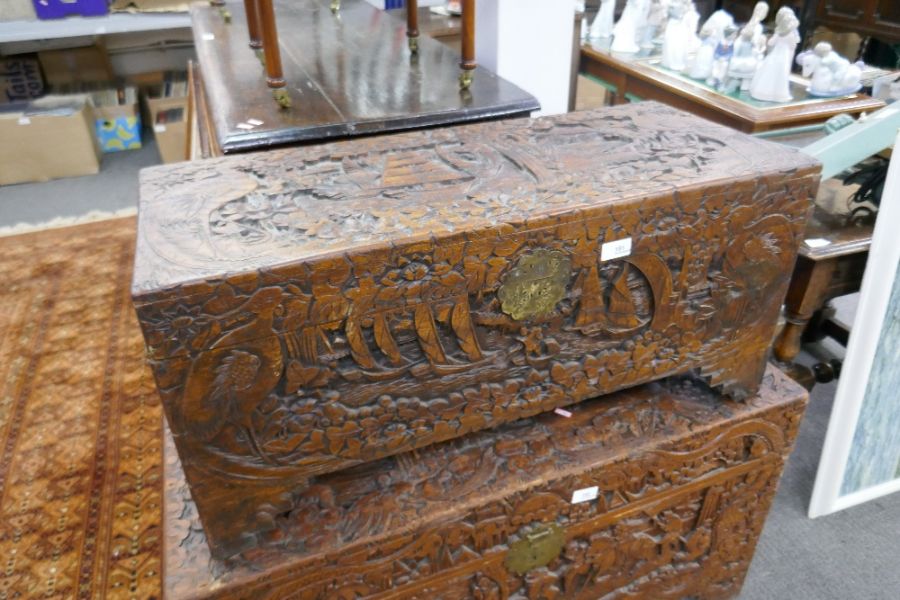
[615,249]
[585,494]
[24,121]
[159,128]
[816,242]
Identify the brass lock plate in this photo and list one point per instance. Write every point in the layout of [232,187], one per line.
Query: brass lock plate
[537,548]
[535,285]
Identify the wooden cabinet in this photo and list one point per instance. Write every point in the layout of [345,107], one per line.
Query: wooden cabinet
[877,18]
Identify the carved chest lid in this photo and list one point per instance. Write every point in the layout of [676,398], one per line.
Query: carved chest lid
[266,215]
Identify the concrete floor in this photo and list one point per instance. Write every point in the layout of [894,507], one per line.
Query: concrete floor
[113,189]
[849,555]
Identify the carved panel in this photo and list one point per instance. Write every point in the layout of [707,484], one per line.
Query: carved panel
[311,309]
[684,479]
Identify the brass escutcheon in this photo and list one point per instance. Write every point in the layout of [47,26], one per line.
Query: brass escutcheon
[536,548]
[535,285]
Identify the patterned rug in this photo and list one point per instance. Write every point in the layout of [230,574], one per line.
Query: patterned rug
[80,422]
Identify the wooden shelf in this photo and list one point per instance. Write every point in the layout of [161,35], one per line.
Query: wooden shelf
[20,31]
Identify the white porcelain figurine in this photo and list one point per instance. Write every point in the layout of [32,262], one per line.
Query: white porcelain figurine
[676,38]
[742,66]
[691,23]
[625,32]
[701,68]
[772,80]
[718,22]
[602,27]
[657,17]
[811,62]
[760,12]
[831,74]
[722,57]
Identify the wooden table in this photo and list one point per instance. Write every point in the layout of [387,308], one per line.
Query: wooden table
[632,77]
[347,75]
[822,272]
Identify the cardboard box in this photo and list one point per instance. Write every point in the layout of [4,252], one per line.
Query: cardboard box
[160,90]
[170,128]
[17,10]
[158,105]
[76,65]
[49,138]
[20,78]
[117,120]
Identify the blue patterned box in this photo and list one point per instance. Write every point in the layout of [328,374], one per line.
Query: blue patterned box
[118,133]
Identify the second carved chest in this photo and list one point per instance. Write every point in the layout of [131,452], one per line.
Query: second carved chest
[309,309]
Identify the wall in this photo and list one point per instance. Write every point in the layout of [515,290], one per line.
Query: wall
[528,42]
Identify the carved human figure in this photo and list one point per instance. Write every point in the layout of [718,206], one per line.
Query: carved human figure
[772,80]
[602,27]
[625,32]
[676,38]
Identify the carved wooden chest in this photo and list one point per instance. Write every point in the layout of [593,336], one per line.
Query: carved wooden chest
[309,309]
[660,491]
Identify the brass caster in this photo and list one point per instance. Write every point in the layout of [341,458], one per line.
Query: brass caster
[465,79]
[335,6]
[413,44]
[282,97]
[226,14]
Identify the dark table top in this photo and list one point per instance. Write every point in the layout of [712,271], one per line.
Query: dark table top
[348,74]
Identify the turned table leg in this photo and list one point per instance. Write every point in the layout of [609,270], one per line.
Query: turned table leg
[252,9]
[220,4]
[412,25]
[807,293]
[467,64]
[274,75]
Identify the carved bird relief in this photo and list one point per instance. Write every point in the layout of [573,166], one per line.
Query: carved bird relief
[227,383]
